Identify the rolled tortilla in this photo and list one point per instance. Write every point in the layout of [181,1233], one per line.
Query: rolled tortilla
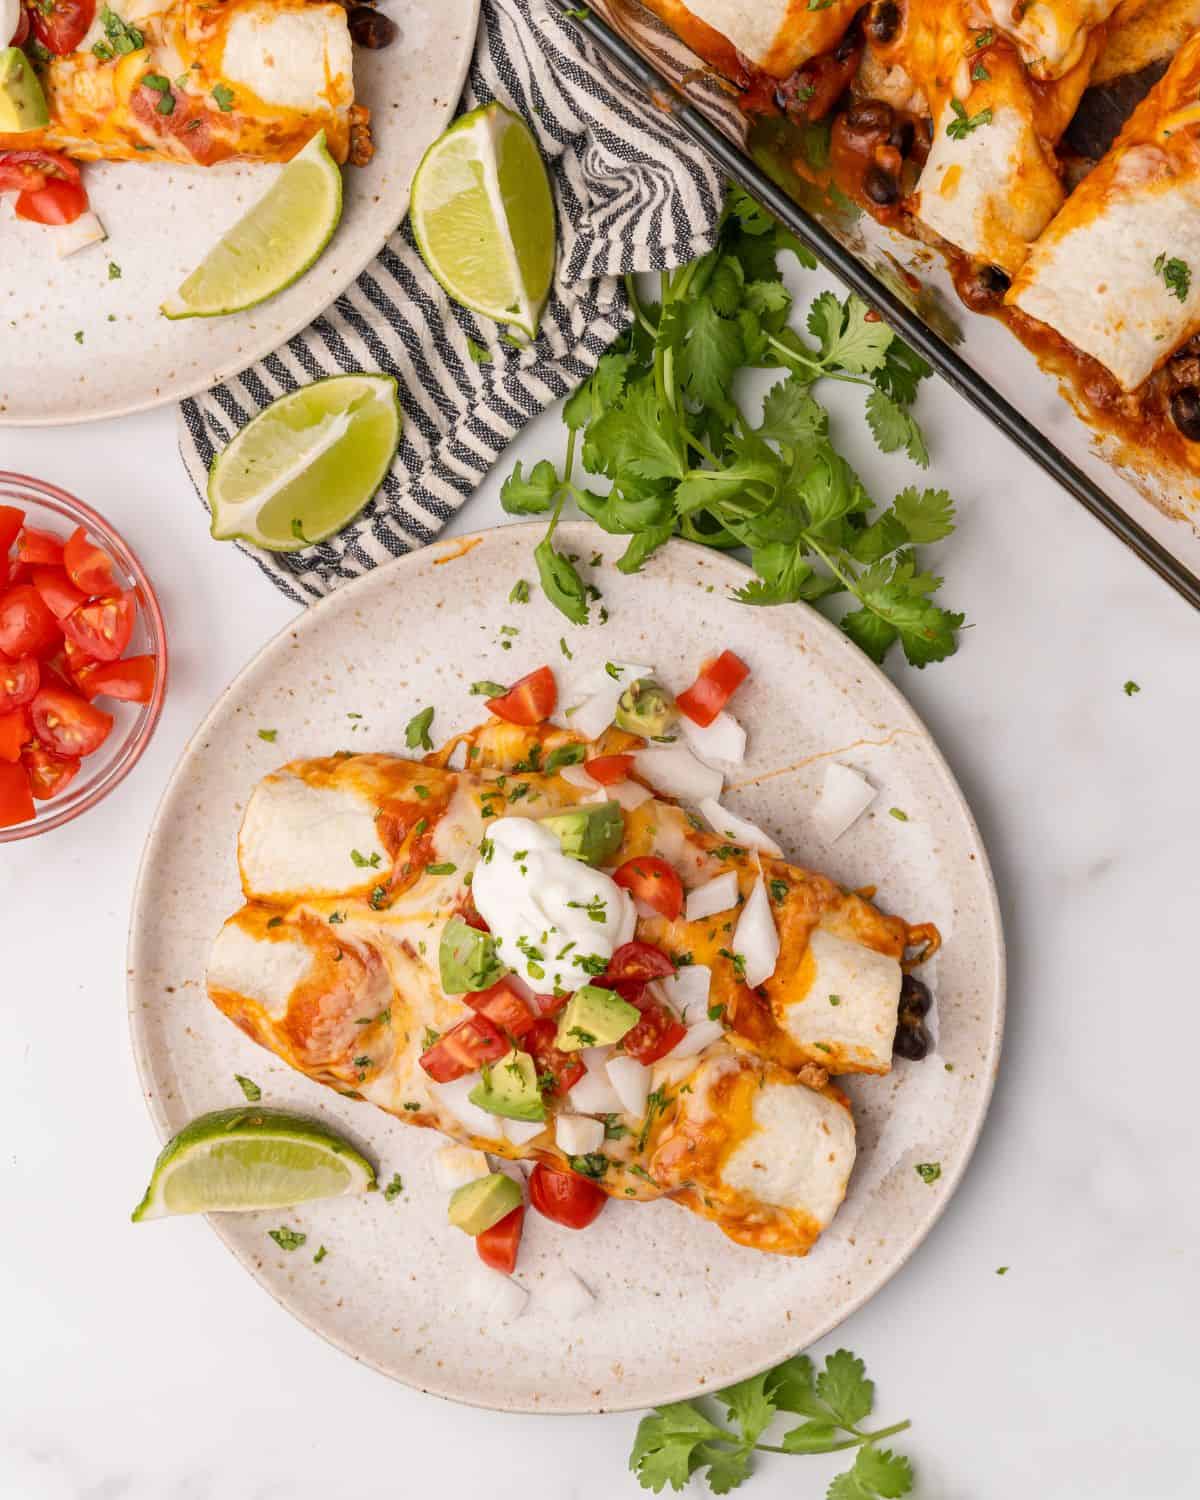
[1142,34]
[777,36]
[1051,35]
[1117,273]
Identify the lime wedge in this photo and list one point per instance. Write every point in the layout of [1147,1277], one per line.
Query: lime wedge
[242,1159]
[306,465]
[272,244]
[483,216]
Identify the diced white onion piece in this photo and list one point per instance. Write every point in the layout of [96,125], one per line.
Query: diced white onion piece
[521,1131]
[687,991]
[577,776]
[601,692]
[501,1298]
[629,794]
[844,797]
[453,1099]
[675,771]
[630,1080]
[740,830]
[577,1134]
[712,897]
[10,19]
[595,1059]
[756,938]
[564,1293]
[628,928]
[600,680]
[724,739]
[696,1038]
[455,1166]
[78,235]
[594,1095]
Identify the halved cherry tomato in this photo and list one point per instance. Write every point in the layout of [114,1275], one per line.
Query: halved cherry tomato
[609,769]
[68,724]
[502,1004]
[16,800]
[464,1048]
[565,1197]
[497,1247]
[27,171]
[653,881]
[15,731]
[48,774]
[12,518]
[529,701]
[103,627]
[56,203]
[712,690]
[27,628]
[60,25]
[637,963]
[34,546]
[70,662]
[655,1034]
[130,679]
[89,567]
[19,681]
[59,593]
[558,1071]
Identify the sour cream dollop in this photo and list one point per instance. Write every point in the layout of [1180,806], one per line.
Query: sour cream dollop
[556,921]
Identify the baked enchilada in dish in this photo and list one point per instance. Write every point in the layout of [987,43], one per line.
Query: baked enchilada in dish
[554,944]
[1051,151]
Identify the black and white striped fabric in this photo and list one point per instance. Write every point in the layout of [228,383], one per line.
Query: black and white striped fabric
[632,194]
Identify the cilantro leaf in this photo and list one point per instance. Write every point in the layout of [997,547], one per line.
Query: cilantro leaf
[664,1447]
[881,1472]
[790,415]
[790,1386]
[844,1388]
[642,545]
[893,427]
[634,435]
[727,1467]
[710,354]
[927,515]
[901,372]
[532,496]
[561,582]
[749,1406]
[849,334]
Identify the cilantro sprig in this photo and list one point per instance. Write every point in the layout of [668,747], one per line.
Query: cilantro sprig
[659,422]
[682,1439]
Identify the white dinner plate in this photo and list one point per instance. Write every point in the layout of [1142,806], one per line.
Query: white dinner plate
[77,344]
[678,1307]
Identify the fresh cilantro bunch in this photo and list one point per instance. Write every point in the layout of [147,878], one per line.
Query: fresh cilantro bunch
[659,421]
[679,1440]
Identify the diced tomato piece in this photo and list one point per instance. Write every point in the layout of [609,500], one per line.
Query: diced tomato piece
[131,679]
[15,731]
[27,628]
[56,203]
[26,171]
[637,963]
[16,800]
[70,662]
[62,25]
[35,547]
[502,1004]
[48,774]
[548,1005]
[497,1247]
[89,567]
[712,690]
[565,1197]
[558,1071]
[19,681]
[12,518]
[655,1034]
[68,724]
[609,769]
[58,593]
[529,701]
[464,1048]
[653,881]
[103,627]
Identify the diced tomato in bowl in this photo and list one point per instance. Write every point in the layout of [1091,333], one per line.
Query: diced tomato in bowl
[82,656]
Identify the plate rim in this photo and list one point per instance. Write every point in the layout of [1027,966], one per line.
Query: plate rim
[392,213]
[951,1180]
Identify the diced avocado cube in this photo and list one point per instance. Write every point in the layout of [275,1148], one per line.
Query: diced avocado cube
[510,1088]
[594,1017]
[467,959]
[591,834]
[646,708]
[478,1205]
[22,102]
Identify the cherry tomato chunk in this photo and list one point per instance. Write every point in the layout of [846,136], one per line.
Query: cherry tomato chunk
[16,800]
[61,27]
[59,594]
[56,203]
[67,724]
[497,1247]
[503,1004]
[529,701]
[48,774]
[656,1034]
[637,963]
[718,681]
[19,681]
[89,567]
[463,1049]
[609,769]
[27,628]
[558,1072]
[15,730]
[565,1197]
[653,881]
[34,546]
[102,628]
[131,679]
[12,518]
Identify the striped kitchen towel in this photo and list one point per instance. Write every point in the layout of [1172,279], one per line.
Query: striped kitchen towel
[632,194]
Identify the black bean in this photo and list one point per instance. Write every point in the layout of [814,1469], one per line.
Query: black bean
[850,42]
[915,998]
[884,22]
[1185,412]
[880,186]
[903,137]
[993,280]
[870,115]
[911,1042]
[370,28]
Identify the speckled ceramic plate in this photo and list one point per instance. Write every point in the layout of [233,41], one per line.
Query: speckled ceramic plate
[678,1306]
[103,349]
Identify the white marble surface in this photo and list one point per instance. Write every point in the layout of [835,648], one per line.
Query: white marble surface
[140,1362]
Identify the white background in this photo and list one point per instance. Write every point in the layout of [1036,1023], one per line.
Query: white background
[140,1362]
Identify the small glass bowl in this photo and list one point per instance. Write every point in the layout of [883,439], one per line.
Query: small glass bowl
[52,509]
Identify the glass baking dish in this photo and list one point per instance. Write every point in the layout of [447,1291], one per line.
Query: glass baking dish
[1155,513]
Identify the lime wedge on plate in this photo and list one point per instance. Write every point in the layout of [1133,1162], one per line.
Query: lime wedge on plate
[483,216]
[241,1159]
[272,244]
[307,465]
